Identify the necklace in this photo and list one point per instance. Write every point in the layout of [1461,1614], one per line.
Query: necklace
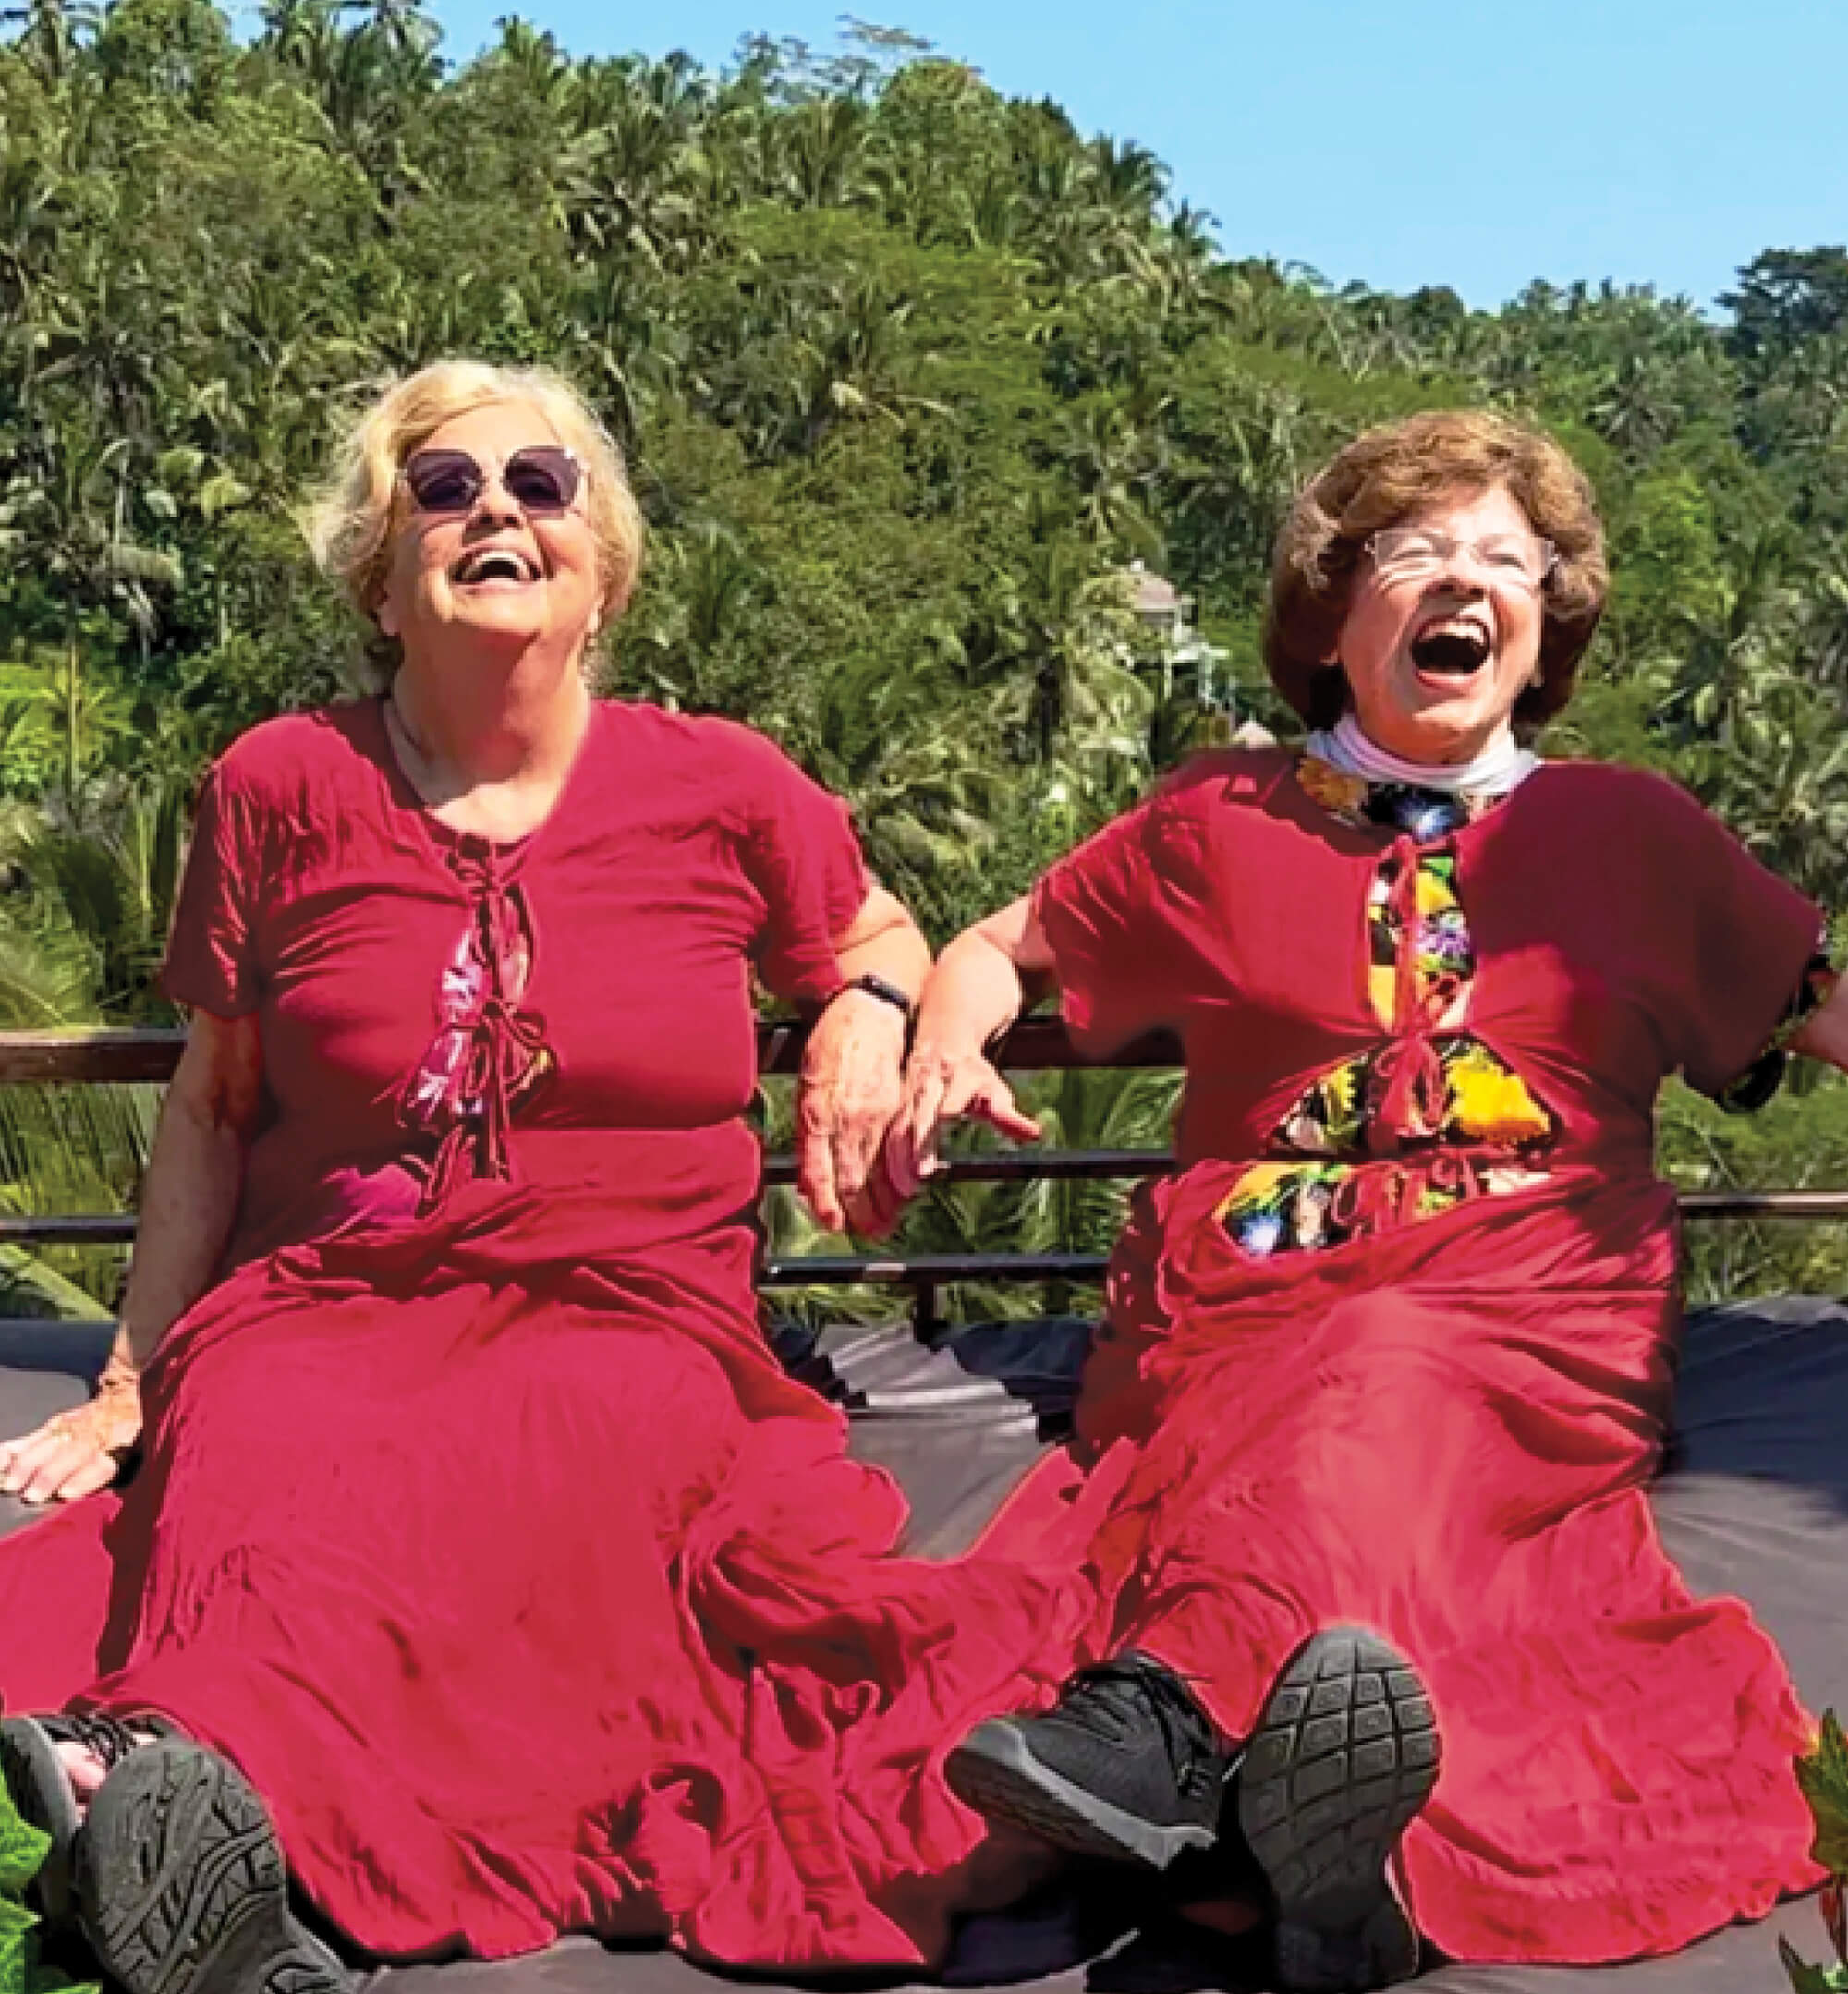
[416,761]
[504,810]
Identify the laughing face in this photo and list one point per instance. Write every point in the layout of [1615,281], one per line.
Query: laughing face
[496,574]
[1437,648]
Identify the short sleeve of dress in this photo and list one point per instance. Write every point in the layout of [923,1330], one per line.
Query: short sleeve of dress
[1102,911]
[212,953]
[1753,939]
[801,854]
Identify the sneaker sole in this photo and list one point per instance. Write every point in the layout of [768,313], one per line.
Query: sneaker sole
[42,1792]
[182,1885]
[1344,1754]
[994,1772]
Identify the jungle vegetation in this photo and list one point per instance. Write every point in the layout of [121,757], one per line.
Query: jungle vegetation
[911,376]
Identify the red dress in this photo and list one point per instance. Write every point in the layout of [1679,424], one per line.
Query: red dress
[477,1523]
[478,1526]
[1395,1345]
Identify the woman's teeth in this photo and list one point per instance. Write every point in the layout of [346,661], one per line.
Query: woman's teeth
[1457,649]
[497,564]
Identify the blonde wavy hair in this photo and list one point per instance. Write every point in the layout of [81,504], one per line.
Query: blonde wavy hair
[350,524]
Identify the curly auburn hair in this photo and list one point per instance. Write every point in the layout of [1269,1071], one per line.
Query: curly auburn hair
[1383,477]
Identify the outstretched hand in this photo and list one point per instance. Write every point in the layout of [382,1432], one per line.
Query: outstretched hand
[941,1087]
[76,1452]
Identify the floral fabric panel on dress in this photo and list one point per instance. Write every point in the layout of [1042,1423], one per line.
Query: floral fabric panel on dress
[488,1054]
[1444,957]
[1428,1117]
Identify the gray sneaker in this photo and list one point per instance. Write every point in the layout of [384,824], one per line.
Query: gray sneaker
[1344,1754]
[41,1791]
[181,1887]
[1125,1767]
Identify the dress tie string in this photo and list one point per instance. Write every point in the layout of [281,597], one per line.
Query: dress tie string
[1386,1194]
[1409,1094]
[501,1046]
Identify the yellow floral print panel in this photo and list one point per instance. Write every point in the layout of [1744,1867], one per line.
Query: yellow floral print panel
[1483,1100]
[1443,956]
[1299,1208]
[1429,1116]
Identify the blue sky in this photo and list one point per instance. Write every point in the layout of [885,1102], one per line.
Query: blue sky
[1398,141]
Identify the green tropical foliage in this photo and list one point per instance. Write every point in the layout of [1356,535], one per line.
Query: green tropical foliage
[1823,1775]
[23,1852]
[911,374]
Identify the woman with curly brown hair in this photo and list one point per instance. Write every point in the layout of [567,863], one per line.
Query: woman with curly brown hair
[1378,1597]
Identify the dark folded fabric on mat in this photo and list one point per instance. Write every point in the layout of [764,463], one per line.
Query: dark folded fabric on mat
[1756,1503]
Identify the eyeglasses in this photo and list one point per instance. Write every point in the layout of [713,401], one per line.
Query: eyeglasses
[543,478]
[1404,553]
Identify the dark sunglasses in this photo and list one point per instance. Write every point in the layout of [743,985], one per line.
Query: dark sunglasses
[543,478]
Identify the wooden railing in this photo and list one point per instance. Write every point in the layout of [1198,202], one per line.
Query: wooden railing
[1036,1045]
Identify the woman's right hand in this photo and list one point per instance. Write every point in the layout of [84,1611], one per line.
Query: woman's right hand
[942,1085]
[76,1452]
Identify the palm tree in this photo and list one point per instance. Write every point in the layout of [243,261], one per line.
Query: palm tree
[823,147]
[629,181]
[1111,451]
[52,31]
[300,33]
[1063,645]
[83,917]
[675,644]
[912,751]
[74,523]
[113,888]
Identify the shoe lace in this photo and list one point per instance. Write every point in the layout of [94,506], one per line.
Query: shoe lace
[1110,1698]
[107,1739]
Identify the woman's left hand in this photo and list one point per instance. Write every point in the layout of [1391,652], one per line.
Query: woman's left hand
[850,1088]
[76,1452]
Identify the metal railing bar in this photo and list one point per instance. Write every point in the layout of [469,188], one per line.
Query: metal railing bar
[1021,1166]
[150,1053]
[118,1228]
[932,1269]
[1764,1204]
[82,1057]
[68,1229]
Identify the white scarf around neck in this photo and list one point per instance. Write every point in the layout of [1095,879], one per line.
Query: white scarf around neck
[1503,765]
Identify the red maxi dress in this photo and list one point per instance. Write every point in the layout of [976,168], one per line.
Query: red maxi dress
[477,1523]
[1396,1344]
[478,1526]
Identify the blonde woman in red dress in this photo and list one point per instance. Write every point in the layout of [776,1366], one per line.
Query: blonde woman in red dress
[1377,1601]
[478,1535]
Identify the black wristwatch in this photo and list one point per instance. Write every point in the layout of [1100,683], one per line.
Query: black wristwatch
[886,993]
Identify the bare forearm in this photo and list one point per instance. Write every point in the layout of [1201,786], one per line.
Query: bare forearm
[901,957]
[851,1071]
[886,945]
[194,1182]
[976,990]
[188,1206]
[1825,1035]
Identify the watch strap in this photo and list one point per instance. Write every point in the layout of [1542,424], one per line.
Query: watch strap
[877,986]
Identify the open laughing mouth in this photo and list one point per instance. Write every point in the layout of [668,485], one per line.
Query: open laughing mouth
[1453,646]
[493,564]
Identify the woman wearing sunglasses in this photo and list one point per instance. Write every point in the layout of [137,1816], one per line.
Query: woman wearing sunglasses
[1379,1618]
[480,1557]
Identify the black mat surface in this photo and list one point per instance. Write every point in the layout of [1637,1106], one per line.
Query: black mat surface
[1756,1503]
